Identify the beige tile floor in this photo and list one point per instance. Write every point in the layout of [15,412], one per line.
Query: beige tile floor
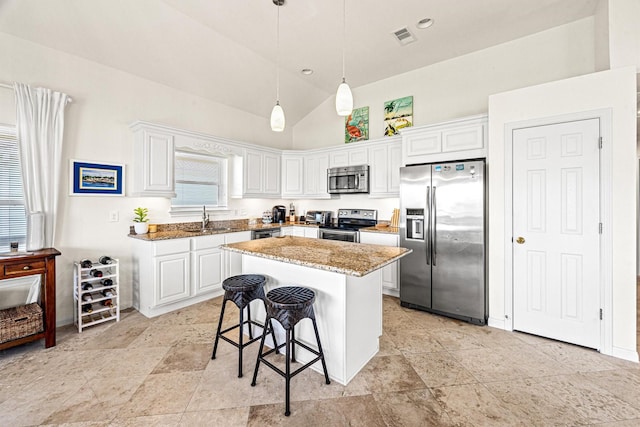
[430,371]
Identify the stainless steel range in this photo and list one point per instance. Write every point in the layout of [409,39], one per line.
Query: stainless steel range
[348,224]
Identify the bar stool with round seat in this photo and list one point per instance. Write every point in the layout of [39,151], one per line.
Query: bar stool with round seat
[289,305]
[241,289]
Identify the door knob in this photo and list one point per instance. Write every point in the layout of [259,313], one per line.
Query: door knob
[520,240]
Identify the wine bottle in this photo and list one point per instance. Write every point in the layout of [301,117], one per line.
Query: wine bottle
[86,286]
[95,273]
[85,263]
[107,303]
[106,282]
[108,292]
[87,308]
[105,260]
[87,297]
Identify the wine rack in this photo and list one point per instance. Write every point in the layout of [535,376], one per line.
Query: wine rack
[96,293]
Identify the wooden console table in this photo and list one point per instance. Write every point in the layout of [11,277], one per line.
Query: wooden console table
[36,262]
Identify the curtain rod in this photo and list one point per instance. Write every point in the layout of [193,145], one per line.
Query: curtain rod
[8,86]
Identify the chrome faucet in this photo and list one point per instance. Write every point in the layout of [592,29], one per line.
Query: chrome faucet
[205,218]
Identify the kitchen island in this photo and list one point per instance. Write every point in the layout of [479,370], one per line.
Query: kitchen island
[346,278]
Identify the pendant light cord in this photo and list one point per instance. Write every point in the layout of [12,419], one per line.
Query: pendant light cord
[344,36]
[278,57]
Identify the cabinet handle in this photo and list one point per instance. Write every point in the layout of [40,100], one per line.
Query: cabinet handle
[26,267]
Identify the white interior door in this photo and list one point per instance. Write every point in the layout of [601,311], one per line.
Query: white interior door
[556,290]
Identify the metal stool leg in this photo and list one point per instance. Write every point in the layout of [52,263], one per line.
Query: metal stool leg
[240,336]
[287,378]
[324,365]
[215,344]
[249,317]
[267,323]
[293,344]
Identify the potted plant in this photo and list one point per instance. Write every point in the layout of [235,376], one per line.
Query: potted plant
[141,220]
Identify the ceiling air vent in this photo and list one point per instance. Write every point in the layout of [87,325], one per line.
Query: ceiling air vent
[404,36]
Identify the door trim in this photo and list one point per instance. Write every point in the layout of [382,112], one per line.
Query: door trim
[606,242]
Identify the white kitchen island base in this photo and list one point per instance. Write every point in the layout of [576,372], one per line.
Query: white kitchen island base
[348,312]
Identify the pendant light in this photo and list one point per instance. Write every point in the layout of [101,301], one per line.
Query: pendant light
[277,114]
[344,98]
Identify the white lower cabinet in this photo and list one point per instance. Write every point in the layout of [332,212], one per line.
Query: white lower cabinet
[172,278]
[299,231]
[390,273]
[172,274]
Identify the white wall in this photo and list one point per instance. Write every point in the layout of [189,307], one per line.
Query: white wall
[624,33]
[105,102]
[461,86]
[613,90]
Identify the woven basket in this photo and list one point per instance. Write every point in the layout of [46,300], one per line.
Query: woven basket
[20,321]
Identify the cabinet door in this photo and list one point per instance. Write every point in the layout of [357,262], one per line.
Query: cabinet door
[466,138]
[315,176]
[154,164]
[292,176]
[338,158]
[379,170]
[253,172]
[207,270]
[395,161]
[418,145]
[298,231]
[311,232]
[358,156]
[233,260]
[390,279]
[172,278]
[271,174]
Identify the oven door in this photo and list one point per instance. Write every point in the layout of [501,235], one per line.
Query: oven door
[341,235]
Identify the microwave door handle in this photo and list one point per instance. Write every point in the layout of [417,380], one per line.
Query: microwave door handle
[428,234]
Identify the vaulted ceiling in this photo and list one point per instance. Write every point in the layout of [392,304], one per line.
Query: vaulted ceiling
[226,50]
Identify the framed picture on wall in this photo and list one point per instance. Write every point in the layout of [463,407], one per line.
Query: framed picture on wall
[96,179]
[398,114]
[356,125]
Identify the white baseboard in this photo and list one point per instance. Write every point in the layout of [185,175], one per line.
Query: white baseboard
[496,323]
[623,353]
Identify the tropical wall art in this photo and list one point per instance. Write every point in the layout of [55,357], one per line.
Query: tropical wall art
[356,125]
[398,114]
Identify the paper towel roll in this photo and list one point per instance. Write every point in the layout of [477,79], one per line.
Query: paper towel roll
[35,231]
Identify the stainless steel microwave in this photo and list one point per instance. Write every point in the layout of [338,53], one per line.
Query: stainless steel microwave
[348,179]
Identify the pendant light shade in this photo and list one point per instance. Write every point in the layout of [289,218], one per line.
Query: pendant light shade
[344,98]
[277,118]
[277,114]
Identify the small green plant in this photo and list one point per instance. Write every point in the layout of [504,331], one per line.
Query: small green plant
[141,215]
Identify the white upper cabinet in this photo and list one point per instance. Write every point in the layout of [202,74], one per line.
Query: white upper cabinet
[351,156]
[315,176]
[153,163]
[464,138]
[261,174]
[292,175]
[384,168]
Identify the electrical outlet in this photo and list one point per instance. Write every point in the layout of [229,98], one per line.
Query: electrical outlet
[114,216]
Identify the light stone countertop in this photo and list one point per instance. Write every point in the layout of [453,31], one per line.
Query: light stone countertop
[353,259]
[381,230]
[181,233]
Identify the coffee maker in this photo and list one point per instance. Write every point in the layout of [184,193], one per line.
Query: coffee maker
[279,214]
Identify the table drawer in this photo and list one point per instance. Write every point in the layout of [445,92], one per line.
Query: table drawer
[24,268]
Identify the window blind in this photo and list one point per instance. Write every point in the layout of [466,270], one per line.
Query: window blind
[199,180]
[13,222]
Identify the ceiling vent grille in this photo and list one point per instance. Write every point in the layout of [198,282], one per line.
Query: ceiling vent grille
[404,36]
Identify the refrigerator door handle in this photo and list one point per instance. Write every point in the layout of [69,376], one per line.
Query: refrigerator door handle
[428,234]
[435,220]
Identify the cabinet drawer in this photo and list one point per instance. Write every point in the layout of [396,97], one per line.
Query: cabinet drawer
[24,268]
[173,246]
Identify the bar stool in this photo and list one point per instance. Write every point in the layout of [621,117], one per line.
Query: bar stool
[288,305]
[241,289]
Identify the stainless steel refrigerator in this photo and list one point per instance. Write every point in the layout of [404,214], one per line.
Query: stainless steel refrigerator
[442,218]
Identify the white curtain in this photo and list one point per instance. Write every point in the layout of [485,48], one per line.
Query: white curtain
[40,126]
